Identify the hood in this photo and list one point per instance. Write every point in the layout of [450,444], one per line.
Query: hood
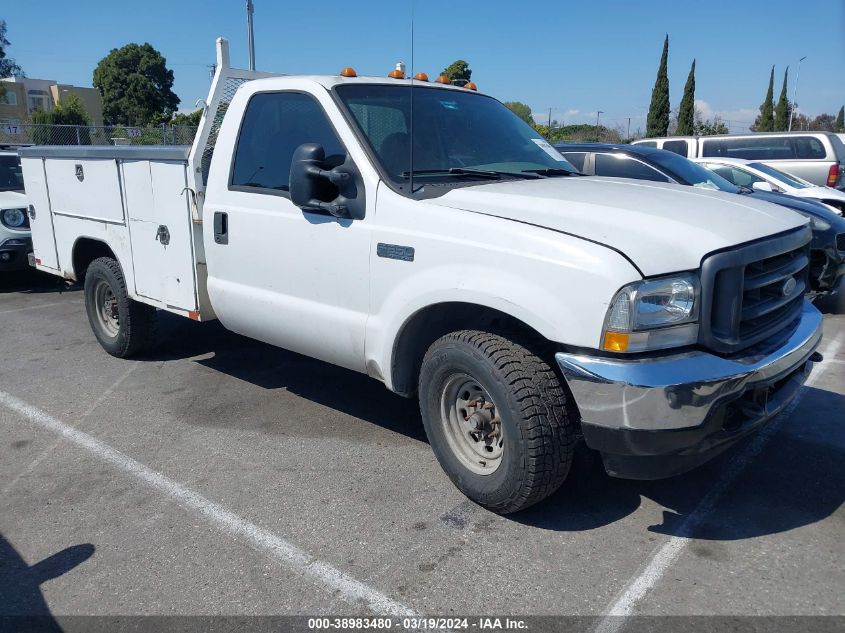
[662,228]
[12,200]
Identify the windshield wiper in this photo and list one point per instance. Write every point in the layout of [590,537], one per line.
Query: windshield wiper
[552,171]
[468,171]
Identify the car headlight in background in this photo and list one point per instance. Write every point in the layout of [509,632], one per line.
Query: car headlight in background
[653,314]
[14,218]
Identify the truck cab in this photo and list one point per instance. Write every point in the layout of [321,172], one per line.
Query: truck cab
[422,234]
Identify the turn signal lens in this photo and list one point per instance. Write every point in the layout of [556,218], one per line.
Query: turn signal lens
[615,342]
[348,72]
[833,175]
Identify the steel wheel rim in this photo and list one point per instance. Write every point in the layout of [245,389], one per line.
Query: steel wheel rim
[105,304]
[465,405]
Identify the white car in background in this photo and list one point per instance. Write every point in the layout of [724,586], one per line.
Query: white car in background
[762,177]
[15,239]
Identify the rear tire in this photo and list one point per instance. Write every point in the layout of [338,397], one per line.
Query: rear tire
[123,327]
[468,381]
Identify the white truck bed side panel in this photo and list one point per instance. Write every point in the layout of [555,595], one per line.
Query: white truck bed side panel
[85,188]
[43,236]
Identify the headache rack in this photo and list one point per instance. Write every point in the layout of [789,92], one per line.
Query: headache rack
[753,292]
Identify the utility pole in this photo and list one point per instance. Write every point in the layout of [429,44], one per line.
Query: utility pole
[628,134]
[550,121]
[250,38]
[795,93]
[598,115]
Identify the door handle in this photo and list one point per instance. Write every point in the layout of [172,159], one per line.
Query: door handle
[221,227]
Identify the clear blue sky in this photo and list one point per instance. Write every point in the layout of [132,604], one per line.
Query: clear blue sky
[573,57]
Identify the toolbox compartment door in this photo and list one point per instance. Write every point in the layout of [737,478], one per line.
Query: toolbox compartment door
[160,227]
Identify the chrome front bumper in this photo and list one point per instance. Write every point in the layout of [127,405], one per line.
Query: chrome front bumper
[686,404]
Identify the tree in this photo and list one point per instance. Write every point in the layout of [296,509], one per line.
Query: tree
[521,110]
[782,108]
[191,120]
[135,84]
[686,111]
[69,112]
[710,128]
[765,122]
[823,123]
[458,72]
[657,122]
[8,66]
[839,126]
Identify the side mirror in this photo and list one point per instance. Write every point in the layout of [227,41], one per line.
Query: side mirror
[761,185]
[316,189]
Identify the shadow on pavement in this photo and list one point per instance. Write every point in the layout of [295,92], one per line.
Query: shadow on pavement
[34,282]
[20,585]
[273,368]
[797,480]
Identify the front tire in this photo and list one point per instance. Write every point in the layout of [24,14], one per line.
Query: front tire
[123,327]
[496,418]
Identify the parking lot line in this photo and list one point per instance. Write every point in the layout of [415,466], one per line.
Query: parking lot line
[616,615]
[274,546]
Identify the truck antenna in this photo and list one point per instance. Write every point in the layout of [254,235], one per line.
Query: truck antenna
[411,143]
[250,36]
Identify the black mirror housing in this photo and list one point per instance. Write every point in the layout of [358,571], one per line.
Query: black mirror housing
[318,190]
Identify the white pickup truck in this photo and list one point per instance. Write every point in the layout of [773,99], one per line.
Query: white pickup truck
[527,307]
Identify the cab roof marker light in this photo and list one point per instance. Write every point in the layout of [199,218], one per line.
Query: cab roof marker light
[348,72]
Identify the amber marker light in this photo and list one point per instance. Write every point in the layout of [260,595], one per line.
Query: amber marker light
[443,79]
[421,77]
[471,86]
[348,72]
[616,342]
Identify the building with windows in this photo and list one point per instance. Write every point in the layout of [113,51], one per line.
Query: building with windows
[25,95]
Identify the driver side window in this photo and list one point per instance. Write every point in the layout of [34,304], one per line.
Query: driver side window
[737,176]
[274,125]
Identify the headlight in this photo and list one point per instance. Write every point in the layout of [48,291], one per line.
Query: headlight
[653,314]
[14,218]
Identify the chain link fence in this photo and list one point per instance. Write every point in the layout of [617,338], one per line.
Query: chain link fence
[39,134]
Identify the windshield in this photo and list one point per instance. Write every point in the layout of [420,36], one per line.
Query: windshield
[691,173]
[11,175]
[456,133]
[788,179]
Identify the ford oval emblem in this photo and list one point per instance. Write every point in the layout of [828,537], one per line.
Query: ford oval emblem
[788,286]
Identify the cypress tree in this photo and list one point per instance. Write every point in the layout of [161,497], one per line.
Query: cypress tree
[839,124]
[686,111]
[782,109]
[657,123]
[767,119]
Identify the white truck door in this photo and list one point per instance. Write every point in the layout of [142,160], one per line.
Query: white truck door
[160,226]
[294,279]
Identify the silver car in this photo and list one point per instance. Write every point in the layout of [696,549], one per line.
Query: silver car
[818,157]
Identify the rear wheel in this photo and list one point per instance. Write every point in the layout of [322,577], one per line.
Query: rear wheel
[123,327]
[495,415]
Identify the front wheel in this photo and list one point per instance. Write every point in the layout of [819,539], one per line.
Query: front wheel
[495,415]
[123,327]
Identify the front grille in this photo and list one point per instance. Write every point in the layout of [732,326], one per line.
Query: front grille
[754,291]
[840,242]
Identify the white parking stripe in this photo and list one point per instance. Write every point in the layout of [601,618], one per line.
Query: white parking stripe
[259,538]
[616,614]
